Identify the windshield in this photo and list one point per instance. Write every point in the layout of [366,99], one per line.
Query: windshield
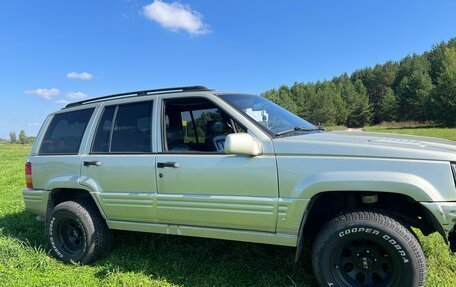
[271,116]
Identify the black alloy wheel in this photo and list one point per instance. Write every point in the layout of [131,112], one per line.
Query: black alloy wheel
[71,236]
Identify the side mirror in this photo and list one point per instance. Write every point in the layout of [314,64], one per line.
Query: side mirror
[242,143]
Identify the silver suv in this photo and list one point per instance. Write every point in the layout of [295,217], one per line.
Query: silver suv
[195,162]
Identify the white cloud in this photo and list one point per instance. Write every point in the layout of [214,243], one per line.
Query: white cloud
[176,16]
[46,94]
[79,76]
[62,102]
[76,95]
[34,124]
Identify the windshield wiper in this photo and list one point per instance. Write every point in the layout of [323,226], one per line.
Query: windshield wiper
[299,129]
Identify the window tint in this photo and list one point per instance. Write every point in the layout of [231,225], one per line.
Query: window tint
[132,128]
[102,138]
[64,134]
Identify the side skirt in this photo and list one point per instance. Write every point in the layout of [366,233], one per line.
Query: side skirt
[207,232]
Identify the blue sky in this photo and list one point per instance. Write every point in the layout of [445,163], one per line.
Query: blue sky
[57,51]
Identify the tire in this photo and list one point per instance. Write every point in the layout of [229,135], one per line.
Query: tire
[367,248]
[77,233]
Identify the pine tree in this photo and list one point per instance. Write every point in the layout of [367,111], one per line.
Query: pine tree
[388,106]
[321,109]
[282,97]
[446,89]
[359,110]
[413,94]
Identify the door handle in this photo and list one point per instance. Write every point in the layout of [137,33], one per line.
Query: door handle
[168,165]
[94,163]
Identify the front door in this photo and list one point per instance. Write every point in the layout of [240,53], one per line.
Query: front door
[199,185]
[121,165]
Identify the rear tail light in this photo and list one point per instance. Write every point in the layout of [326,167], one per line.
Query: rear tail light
[28,175]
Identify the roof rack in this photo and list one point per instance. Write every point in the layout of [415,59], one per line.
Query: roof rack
[140,93]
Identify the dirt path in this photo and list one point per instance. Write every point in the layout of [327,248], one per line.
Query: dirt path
[355,130]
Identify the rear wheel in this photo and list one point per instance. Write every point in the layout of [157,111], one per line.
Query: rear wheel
[367,249]
[77,232]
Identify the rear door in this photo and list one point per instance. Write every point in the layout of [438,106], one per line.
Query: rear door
[121,162]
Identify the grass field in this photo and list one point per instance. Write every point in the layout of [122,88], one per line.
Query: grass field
[141,259]
[445,133]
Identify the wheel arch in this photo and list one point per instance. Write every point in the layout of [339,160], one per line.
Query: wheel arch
[326,205]
[62,194]
[376,181]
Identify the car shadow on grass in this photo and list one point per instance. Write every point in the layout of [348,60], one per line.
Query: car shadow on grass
[185,261]
[23,226]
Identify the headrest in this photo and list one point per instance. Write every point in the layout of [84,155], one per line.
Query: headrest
[215,127]
[174,136]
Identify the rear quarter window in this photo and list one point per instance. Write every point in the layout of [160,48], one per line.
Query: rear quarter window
[65,131]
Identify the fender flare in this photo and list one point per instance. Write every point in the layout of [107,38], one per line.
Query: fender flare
[372,181]
[76,182]
[342,181]
[300,242]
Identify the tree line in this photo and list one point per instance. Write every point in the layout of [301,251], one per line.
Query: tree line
[22,138]
[420,87]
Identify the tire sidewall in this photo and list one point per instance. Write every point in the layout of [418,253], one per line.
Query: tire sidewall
[55,219]
[330,240]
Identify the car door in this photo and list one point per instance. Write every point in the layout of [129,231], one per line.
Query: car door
[199,185]
[121,164]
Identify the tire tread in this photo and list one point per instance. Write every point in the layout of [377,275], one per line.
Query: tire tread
[379,217]
[102,236]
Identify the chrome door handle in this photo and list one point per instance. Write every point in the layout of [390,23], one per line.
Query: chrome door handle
[168,165]
[94,163]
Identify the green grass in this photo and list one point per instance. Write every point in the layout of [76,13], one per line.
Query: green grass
[446,133]
[139,259]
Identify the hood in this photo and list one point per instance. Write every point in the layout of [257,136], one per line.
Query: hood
[367,145]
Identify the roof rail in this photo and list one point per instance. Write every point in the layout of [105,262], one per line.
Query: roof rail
[140,93]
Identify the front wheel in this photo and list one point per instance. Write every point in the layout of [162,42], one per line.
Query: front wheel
[77,232]
[367,248]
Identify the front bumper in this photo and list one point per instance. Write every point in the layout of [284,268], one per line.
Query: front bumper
[445,214]
[36,200]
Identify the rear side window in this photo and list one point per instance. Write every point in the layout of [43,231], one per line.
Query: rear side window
[125,129]
[102,139]
[65,132]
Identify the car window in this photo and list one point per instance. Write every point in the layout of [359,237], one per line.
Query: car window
[129,132]
[188,128]
[270,116]
[203,117]
[196,124]
[102,138]
[65,132]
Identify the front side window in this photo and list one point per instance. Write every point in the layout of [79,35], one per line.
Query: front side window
[272,117]
[125,128]
[65,132]
[196,125]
